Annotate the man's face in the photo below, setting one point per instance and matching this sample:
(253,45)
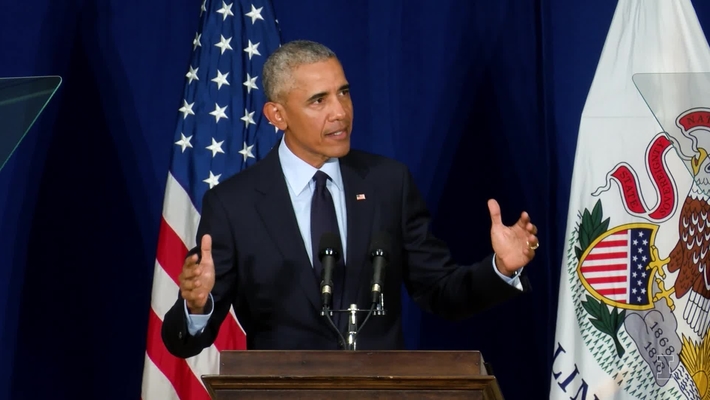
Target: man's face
(317,112)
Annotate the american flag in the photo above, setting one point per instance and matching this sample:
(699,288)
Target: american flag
(616,267)
(220,131)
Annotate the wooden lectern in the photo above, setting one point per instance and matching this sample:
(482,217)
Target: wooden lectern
(257,375)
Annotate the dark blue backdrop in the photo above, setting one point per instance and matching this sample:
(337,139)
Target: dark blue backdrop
(480,98)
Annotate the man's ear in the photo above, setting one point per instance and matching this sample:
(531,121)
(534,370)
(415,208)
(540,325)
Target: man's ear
(275,114)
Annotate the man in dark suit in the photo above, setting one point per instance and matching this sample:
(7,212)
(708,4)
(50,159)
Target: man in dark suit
(260,230)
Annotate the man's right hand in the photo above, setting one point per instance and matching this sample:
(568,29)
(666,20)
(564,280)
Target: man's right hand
(197,280)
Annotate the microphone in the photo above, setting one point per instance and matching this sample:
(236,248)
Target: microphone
(329,250)
(380,249)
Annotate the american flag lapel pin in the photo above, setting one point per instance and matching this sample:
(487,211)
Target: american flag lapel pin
(360,196)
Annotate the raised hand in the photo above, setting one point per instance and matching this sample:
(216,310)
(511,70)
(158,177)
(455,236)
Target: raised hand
(514,245)
(197,279)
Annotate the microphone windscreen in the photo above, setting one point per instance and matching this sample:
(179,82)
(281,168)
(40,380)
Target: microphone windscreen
(381,241)
(331,241)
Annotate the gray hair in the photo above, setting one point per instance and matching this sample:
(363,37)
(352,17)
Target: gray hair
(281,63)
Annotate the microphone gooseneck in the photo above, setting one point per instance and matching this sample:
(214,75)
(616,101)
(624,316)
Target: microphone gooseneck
(380,251)
(329,251)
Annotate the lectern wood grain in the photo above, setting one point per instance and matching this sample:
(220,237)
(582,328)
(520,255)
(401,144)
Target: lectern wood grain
(352,375)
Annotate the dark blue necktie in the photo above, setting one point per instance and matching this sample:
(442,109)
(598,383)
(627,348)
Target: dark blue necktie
(324,220)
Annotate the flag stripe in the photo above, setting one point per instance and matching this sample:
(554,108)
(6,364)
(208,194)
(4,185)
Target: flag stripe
(161,388)
(163,283)
(600,286)
(207,362)
(179,212)
(601,249)
(612,243)
(604,268)
(599,263)
(176,370)
(171,251)
(606,279)
(601,274)
(611,291)
(606,256)
(230,335)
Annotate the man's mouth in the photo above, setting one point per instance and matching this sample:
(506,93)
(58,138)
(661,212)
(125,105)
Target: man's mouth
(336,133)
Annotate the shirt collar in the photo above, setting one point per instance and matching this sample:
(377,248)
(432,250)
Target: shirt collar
(299,173)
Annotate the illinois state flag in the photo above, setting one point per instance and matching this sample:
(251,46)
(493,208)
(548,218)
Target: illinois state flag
(220,131)
(634,299)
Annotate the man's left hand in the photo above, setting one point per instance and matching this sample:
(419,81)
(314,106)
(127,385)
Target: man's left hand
(515,245)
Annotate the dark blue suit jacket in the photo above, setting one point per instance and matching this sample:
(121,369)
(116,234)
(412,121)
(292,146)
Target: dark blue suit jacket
(263,270)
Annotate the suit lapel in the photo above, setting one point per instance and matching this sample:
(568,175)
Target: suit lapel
(276,210)
(360,203)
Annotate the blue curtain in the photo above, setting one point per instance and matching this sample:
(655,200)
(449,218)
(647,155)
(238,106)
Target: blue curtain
(480,98)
